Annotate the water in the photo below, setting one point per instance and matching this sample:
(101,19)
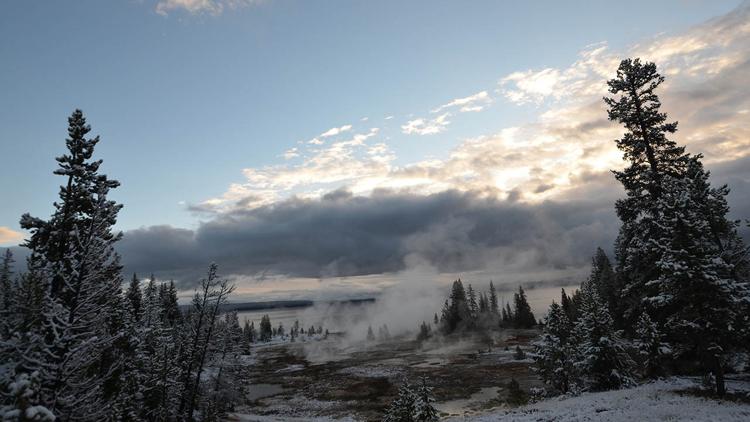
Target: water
(331,316)
(337,317)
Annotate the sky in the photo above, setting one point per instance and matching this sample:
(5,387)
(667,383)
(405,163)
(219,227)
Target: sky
(336,148)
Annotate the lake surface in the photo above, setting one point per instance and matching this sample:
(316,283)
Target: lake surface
(339,316)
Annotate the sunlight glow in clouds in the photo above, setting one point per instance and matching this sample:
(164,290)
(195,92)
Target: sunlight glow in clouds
(557,155)
(8,236)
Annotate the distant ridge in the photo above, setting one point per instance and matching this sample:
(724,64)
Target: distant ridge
(274,304)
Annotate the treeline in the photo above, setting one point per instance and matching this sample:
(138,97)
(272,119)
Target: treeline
(677,299)
(466,311)
(75,347)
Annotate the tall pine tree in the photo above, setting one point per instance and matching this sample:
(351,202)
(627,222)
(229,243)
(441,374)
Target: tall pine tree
(677,253)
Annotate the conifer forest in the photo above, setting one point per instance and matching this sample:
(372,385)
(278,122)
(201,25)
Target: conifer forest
(549,248)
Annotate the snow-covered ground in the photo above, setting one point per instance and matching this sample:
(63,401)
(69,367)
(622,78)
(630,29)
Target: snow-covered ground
(656,401)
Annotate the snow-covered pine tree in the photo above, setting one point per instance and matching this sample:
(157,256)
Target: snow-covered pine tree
(424,410)
(677,254)
(73,257)
(226,387)
(553,355)
(7,291)
(603,278)
(566,302)
(403,406)
(19,398)
(652,157)
(159,349)
(134,298)
(600,357)
(370,334)
(170,307)
(6,280)
(652,349)
(206,304)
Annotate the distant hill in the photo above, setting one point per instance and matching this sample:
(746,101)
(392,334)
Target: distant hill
(275,304)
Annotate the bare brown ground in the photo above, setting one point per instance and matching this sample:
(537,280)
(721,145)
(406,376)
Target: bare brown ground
(360,382)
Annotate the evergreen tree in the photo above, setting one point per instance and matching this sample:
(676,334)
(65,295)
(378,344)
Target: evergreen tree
(6,294)
(473,305)
(424,410)
(483,304)
(651,347)
(600,356)
(134,298)
(170,308)
(424,332)
(73,257)
(676,250)
(603,278)
(568,305)
(403,406)
(206,304)
(456,312)
(553,355)
(509,313)
(265,328)
(493,300)
(370,334)
(522,316)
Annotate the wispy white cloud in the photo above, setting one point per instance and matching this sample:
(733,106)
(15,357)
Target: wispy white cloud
(472,103)
(423,126)
(291,153)
(198,7)
(335,131)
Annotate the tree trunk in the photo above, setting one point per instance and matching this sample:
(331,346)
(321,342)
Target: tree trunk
(719,372)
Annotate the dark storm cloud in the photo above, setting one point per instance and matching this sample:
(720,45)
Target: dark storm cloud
(344,235)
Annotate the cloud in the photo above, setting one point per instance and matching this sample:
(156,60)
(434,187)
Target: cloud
(426,126)
(291,153)
(336,131)
(472,103)
(555,156)
(342,235)
(494,203)
(583,78)
(9,236)
(199,7)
